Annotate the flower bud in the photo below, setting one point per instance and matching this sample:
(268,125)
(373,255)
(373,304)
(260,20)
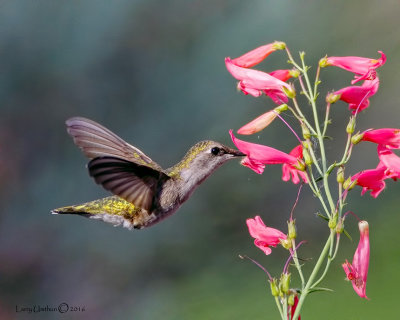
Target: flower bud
(306,132)
(290,92)
(259,123)
(284,283)
(307,158)
(364,228)
(279,45)
(351,125)
(340,226)
(274,287)
(340,175)
(349,184)
(292,234)
(294,73)
(286,243)
(333,221)
(281,108)
(323,62)
(357,138)
(332,98)
(290,300)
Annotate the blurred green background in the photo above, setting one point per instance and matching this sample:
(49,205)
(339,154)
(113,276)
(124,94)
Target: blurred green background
(153,72)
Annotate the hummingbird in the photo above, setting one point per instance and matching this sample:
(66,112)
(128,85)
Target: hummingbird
(143,192)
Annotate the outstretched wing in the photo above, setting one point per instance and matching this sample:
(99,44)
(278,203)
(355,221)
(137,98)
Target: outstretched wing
(132,182)
(97,141)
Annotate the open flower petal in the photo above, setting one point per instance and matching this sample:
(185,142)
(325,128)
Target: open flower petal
(290,172)
(256,82)
(372,179)
(389,137)
(264,236)
(364,67)
(259,155)
(390,160)
(358,96)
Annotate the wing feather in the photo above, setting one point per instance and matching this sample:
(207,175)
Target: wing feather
(134,183)
(97,141)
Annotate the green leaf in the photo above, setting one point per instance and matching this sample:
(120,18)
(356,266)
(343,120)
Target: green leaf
(347,235)
(316,289)
(322,216)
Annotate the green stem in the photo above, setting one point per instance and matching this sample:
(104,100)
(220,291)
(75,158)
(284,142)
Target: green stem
(331,257)
(314,188)
(313,157)
(340,191)
(291,59)
(328,109)
(284,307)
(303,118)
(314,273)
(317,82)
(296,262)
(279,308)
(320,138)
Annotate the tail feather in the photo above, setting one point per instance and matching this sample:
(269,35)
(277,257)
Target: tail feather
(114,210)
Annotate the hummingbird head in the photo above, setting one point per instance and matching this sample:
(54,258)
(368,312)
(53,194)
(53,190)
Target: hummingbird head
(200,162)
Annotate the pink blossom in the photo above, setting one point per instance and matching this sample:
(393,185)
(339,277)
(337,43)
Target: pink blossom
(264,236)
(388,137)
(372,179)
(390,160)
(258,123)
(289,171)
(283,74)
(257,55)
(358,96)
(255,82)
(364,67)
(357,272)
(259,155)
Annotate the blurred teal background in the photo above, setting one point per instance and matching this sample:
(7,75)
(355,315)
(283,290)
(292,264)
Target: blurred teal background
(153,72)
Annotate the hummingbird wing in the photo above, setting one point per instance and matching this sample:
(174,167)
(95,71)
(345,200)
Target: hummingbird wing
(97,141)
(131,181)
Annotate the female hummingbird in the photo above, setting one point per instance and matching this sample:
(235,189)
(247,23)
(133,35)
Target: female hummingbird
(144,193)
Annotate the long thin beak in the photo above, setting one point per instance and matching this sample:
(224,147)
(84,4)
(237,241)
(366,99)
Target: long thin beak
(235,153)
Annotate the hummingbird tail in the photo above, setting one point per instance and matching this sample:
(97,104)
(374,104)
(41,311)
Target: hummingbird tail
(112,209)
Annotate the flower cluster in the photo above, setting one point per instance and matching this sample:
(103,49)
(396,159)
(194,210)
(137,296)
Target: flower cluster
(306,161)
(389,165)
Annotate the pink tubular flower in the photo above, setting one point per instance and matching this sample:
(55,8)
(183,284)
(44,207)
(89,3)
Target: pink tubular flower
(256,82)
(257,55)
(357,272)
(388,137)
(390,160)
(372,179)
(364,67)
(258,155)
(358,96)
(282,74)
(258,123)
(264,236)
(289,171)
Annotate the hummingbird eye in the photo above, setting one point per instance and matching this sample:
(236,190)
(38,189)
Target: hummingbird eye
(215,151)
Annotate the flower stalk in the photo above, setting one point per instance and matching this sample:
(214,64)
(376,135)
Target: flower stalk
(308,161)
